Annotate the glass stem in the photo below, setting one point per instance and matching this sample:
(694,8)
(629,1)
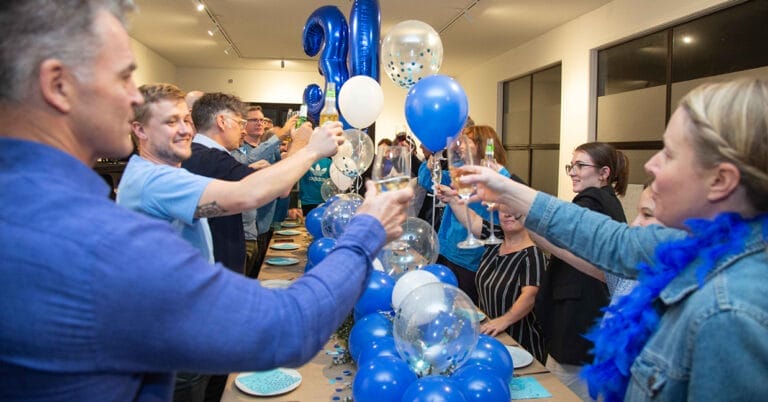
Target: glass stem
(469,224)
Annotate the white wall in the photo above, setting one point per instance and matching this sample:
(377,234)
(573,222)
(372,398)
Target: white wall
(573,44)
(151,67)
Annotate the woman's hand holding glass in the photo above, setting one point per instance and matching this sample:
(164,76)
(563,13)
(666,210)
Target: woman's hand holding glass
(507,195)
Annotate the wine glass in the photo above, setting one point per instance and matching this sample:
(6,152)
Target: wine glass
(437,176)
(392,171)
(392,168)
(461,151)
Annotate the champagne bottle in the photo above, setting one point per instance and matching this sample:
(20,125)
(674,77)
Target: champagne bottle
(302,115)
(489,151)
(329,112)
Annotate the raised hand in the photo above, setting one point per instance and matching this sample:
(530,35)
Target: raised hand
(325,140)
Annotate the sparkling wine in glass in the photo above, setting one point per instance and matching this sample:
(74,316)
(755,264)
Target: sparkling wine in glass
(490,162)
(461,152)
(392,171)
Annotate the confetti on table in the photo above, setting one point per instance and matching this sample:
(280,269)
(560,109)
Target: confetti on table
(527,388)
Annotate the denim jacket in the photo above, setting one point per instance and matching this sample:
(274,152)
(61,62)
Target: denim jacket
(712,341)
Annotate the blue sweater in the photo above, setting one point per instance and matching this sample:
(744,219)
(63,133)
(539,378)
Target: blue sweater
(102,303)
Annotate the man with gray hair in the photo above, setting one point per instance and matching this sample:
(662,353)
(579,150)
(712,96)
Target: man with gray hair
(103,303)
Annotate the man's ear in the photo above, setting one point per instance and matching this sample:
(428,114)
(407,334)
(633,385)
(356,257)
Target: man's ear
(56,85)
(138,130)
(724,180)
(221,122)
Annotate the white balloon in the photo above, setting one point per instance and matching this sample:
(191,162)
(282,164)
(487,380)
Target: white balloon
(361,101)
(408,282)
(342,181)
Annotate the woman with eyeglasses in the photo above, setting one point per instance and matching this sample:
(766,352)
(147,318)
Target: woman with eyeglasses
(694,327)
(569,300)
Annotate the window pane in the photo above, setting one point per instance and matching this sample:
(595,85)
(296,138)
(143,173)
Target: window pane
(632,116)
(545,120)
(680,89)
(637,64)
(730,40)
(517,111)
(544,170)
(518,162)
(637,159)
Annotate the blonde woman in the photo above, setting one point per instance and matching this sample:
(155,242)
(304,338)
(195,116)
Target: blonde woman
(695,326)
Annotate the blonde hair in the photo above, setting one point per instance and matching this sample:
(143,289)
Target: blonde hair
(730,124)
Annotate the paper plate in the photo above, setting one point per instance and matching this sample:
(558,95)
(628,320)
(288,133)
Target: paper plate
(284,246)
(276,283)
(268,383)
(520,356)
(288,232)
(282,261)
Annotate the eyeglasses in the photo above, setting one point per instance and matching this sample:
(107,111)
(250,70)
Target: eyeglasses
(576,166)
(241,122)
(263,121)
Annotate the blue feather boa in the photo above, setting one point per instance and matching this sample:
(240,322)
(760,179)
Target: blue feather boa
(632,320)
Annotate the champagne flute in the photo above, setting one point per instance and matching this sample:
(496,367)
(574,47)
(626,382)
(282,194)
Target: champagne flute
(437,176)
(461,151)
(392,171)
(392,168)
(490,162)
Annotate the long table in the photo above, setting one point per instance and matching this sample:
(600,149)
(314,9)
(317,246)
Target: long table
(325,380)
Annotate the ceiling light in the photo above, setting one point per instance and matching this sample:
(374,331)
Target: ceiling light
(200,7)
(212,31)
(687,39)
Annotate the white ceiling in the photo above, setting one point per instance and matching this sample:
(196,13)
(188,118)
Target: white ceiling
(266,31)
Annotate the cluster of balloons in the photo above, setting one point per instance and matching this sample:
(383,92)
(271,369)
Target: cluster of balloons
(327,222)
(431,350)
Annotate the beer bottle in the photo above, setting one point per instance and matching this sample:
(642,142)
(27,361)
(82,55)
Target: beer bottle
(329,112)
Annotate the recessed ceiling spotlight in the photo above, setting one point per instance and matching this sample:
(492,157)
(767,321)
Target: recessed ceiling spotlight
(200,7)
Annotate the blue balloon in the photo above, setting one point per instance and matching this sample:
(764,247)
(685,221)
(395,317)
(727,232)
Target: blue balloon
(364,32)
(380,347)
(433,389)
(326,28)
(314,222)
(479,383)
(443,273)
(436,108)
(313,97)
(383,379)
(319,249)
(493,354)
(377,295)
(367,330)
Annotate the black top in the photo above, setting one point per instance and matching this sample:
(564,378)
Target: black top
(226,231)
(568,303)
(500,280)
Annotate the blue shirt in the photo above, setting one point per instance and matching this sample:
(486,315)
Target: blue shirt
(711,342)
(259,220)
(451,231)
(168,193)
(312,181)
(103,303)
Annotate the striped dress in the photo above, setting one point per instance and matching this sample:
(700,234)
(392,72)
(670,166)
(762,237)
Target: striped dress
(499,281)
